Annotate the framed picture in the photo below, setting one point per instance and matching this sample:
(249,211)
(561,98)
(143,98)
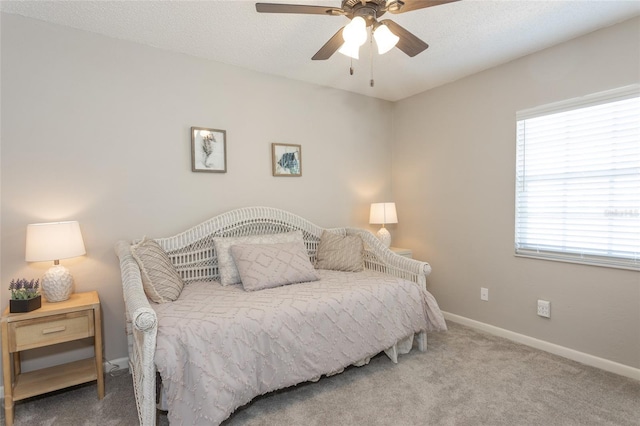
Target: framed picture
(208,150)
(287,159)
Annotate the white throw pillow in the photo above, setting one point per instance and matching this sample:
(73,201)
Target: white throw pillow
(273,265)
(340,253)
(227,268)
(160,280)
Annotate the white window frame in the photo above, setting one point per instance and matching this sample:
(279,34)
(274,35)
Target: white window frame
(529,233)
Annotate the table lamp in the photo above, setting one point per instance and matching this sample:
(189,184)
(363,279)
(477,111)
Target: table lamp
(54,241)
(383,213)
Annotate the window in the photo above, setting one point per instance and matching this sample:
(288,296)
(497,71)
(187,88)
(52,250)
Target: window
(578,180)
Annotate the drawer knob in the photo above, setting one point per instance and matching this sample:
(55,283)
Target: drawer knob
(54,330)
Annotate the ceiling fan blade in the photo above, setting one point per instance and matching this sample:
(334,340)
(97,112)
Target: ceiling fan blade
(408,43)
(330,47)
(297,8)
(409,5)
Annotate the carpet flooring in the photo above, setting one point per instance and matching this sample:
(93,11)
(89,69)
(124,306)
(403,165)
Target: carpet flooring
(466,377)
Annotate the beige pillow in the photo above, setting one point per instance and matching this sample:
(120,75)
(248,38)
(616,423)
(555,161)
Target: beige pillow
(227,268)
(340,253)
(160,279)
(273,265)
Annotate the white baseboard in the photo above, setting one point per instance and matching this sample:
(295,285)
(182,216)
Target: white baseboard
(116,364)
(109,365)
(584,358)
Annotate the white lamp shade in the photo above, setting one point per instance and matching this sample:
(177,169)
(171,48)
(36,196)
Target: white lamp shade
(53,241)
(351,50)
(356,31)
(385,39)
(354,35)
(382,213)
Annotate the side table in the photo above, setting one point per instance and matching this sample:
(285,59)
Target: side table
(77,318)
(402,252)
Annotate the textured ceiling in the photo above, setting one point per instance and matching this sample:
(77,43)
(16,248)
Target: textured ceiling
(464,37)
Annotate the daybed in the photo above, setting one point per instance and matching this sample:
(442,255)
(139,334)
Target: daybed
(217,346)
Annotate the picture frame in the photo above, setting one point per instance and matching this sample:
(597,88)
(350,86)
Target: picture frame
(208,150)
(286,160)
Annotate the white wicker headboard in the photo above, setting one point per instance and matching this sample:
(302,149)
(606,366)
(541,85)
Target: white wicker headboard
(193,253)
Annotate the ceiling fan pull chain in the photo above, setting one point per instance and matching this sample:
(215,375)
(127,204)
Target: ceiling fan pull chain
(351,67)
(371,56)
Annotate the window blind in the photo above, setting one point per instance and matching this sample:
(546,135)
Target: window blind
(578,180)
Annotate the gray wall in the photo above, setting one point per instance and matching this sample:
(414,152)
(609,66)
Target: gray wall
(453,176)
(97,130)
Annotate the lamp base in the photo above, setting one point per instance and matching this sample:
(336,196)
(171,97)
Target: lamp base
(384,236)
(57,284)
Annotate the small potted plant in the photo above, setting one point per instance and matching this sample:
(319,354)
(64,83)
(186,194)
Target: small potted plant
(24,295)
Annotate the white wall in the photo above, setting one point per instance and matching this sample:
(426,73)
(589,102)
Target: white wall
(97,130)
(453,177)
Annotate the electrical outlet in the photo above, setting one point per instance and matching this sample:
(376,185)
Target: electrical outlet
(484,294)
(544,308)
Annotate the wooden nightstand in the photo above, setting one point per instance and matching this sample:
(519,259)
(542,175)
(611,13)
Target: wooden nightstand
(402,252)
(74,319)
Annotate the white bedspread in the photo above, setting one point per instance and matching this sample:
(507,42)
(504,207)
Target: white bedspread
(219,347)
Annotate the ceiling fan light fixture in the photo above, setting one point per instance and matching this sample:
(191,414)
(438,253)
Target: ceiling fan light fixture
(355,32)
(363,14)
(385,39)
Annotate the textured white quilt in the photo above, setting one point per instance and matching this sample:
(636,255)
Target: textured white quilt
(219,347)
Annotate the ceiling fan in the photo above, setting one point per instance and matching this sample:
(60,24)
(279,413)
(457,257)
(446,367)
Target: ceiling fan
(363,14)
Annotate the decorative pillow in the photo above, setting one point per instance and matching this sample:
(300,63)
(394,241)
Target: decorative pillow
(226,267)
(272,265)
(160,279)
(340,253)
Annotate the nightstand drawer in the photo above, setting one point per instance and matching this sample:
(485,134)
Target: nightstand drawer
(50,330)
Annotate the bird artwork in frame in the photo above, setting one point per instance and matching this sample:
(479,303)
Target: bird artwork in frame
(208,150)
(287,159)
